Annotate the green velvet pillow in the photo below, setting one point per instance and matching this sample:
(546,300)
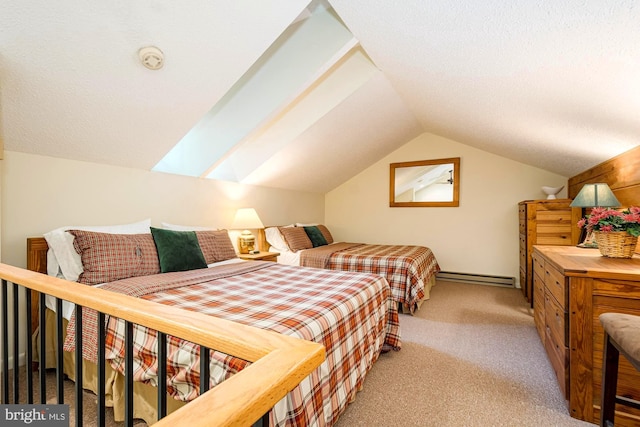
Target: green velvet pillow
(178,250)
(315,235)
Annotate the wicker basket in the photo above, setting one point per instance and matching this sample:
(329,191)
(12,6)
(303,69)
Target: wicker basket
(616,244)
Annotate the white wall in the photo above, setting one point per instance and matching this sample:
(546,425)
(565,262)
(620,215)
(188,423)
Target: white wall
(480,236)
(42,193)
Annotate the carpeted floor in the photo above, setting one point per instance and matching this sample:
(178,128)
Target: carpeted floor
(470,356)
(90,400)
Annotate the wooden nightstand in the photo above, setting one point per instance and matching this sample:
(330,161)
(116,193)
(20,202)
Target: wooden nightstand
(262,256)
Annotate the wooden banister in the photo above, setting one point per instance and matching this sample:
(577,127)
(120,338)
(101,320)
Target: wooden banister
(279,362)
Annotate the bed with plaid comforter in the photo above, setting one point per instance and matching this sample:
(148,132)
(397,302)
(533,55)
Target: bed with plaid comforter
(408,269)
(351,314)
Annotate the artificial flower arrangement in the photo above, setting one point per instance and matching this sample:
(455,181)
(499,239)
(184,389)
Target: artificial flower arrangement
(608,220)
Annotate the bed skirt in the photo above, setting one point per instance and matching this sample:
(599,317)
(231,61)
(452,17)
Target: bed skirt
(405,309)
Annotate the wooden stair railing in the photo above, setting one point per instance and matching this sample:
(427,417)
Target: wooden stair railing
(279,362)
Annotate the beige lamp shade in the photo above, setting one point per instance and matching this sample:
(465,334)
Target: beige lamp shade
(245,219)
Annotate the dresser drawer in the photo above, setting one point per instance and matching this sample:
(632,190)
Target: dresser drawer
(555,283)
(523,254)
(556,321)
(554,226)
(558,358)
(539,306)
(538,266)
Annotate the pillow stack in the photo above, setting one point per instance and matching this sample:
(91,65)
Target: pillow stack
(182,250)
(315,235)
(106,257)
(298,237)
(62,258)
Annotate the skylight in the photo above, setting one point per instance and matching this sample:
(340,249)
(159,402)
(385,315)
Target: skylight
(312,66)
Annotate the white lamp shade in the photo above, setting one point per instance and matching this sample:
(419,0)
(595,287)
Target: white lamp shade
(246,218)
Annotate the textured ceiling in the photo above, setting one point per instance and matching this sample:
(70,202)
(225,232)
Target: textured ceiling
(551,84)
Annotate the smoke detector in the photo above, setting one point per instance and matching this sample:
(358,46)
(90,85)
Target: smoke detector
(151,57)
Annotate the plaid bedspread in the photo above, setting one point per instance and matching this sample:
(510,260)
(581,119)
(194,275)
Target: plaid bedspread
(319,257)
(406,268)
(351,314)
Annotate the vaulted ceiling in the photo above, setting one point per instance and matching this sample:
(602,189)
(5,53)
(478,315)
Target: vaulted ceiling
(305,95)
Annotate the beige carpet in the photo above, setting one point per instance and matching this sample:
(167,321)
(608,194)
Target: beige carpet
(90,400)
(470,356)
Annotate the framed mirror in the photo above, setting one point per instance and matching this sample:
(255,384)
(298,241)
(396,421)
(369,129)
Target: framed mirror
(425,183)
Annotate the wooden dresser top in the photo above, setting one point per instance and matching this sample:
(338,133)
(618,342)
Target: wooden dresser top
(588,262)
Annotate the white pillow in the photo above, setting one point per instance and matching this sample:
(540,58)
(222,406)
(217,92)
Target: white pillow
(177,227)
(62,257)
(275,239)
(299,224)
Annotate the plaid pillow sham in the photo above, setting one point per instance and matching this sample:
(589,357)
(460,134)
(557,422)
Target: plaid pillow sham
(216,245)
(296,238)
(108,257)
(326,233)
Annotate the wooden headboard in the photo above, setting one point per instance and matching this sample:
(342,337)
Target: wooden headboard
(621,173)
(36,261)
(37,254)
(261,240)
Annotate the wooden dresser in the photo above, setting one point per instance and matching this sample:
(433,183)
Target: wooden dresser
(572,287)
(544,222)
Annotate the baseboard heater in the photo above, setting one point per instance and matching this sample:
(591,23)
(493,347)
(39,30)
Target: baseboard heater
(480,279)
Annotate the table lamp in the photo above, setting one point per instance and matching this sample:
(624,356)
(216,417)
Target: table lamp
(245,219)
(597,195)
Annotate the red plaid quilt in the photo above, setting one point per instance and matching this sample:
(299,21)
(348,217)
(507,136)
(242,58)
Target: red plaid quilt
(406,268)
(351,314)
